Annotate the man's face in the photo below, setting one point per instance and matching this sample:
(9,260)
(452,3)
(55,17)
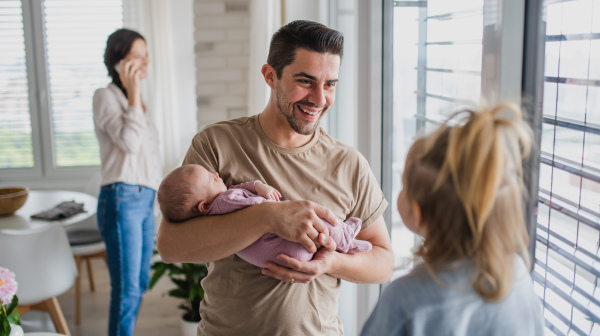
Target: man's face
(306,89)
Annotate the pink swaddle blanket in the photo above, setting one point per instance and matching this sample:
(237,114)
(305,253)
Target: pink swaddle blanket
(267,247)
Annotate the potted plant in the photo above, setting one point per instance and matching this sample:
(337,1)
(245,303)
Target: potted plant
(186,278)
(10,321)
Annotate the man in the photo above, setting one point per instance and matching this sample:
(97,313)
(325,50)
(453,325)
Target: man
(319,175)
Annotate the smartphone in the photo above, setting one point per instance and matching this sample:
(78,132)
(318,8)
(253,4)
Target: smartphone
(118,66)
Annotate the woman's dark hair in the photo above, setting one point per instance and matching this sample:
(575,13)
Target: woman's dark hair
(308,35)
(118,46)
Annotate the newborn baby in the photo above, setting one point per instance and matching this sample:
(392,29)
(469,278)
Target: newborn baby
(191,190)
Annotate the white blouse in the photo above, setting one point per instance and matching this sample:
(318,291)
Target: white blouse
(128,140)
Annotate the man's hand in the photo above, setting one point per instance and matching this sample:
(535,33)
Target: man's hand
(267,191)
(300,221)
(304,271)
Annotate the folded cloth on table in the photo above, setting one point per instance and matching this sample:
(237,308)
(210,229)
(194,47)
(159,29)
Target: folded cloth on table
(62,210)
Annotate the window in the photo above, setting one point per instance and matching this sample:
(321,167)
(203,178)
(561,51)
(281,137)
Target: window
(439,66)
(437,70)
(567,266)
(48,76)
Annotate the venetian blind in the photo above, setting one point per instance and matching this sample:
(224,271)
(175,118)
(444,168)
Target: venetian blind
(567,263)
(16,149)
(76,34)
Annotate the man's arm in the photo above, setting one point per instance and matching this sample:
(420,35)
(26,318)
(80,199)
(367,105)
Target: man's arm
(375,266)
(209,238)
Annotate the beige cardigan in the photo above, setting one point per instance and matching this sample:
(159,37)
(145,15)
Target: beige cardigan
(128,140)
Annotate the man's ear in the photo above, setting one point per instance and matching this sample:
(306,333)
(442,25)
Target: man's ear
(203,206)
(269,74)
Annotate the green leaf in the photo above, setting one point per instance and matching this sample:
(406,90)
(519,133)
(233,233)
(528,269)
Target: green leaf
(15,318)
(12,305)
(5,328)
(178,293)
(193,293)
(181,283)
(158,273)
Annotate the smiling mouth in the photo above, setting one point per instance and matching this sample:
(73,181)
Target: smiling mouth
(309,112)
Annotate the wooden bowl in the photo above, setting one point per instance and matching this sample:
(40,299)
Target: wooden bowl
(12,199)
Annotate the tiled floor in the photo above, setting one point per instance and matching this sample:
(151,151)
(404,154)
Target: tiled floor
(159,314)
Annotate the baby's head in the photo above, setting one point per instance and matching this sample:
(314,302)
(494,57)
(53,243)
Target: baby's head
(188,191)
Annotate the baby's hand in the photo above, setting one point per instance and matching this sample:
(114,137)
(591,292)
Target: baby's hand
(267,191)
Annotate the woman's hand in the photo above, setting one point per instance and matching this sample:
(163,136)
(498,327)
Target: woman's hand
(130,78)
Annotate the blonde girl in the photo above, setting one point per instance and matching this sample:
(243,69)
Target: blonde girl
(463,193)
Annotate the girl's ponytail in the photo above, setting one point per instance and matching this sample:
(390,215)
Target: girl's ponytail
(477,169)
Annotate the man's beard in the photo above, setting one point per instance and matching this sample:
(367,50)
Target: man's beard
(287,111)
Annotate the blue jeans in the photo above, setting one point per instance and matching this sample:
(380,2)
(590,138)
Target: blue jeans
(126,221)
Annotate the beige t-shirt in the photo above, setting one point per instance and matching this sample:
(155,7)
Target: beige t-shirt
(239,299)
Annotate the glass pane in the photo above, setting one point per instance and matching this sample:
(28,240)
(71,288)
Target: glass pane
(545,177)
(447,74)
(571,102)
(595,59)
(552,52)
(454,57)
(568,144)
(591,153)
(563,226)
(596,17)
(459,28)
(593,105)
(569,309)
(76,33)
(404,125)
(566,185)
(590,196)
(16,150)
(574,59)
(577,18)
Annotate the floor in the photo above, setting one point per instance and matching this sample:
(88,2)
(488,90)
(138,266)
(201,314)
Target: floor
(158,315)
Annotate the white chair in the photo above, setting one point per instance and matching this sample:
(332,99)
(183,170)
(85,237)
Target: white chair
(86,244)
(44,268)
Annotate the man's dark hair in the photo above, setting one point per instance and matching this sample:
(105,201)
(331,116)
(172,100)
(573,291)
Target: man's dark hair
(118,46)
(303,34)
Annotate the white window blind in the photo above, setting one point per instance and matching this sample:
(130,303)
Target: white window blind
(567,263)
(16,149)
(76,34)
(437,51)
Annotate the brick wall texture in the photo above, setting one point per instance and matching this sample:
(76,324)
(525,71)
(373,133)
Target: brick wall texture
(222,35)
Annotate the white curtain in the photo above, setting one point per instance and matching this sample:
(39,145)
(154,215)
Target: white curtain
(155,21)
(265,19)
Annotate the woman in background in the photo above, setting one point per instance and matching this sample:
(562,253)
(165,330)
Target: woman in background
(130,176)
(462,193)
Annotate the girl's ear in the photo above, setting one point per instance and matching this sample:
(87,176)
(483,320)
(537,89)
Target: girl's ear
(418,217)
(203,206)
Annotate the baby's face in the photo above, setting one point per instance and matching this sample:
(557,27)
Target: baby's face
(210,183)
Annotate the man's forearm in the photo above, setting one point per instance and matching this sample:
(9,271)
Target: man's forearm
(375,266)
(209,238)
